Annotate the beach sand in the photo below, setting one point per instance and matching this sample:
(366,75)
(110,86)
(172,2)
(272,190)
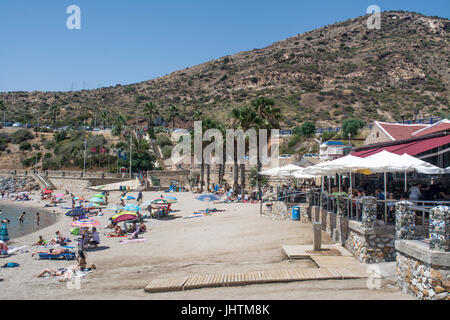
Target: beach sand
(236,240)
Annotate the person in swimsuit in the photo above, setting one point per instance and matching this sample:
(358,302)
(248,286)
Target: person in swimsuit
(22,216)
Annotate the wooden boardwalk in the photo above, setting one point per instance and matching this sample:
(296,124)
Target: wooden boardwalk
(353,271)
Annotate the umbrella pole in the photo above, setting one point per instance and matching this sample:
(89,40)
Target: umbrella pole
(406,185)
(351,184)
(339,177)
(385,197)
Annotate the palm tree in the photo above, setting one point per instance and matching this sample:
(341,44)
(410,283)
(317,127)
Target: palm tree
(55,111)
(150,110)
(244,118)
(173,114)
(268,117)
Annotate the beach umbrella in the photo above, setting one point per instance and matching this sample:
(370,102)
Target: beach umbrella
(46,191)
(76,212)
(208,198)
(132,207)
(128,198)
(123,213)
(4,233)
(93,205)
(59,196)
(96,200)
(146,204)
(114,208)
(85,223)
(160,201)
(125,217)
(99,195)
(171,199)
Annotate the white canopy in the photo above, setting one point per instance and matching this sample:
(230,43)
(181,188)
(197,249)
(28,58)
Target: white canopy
(422,166)
(301,174)
(342,165)
(281,171)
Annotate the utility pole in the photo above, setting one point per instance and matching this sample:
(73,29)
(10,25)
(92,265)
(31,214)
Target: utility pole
(85,147)
(131,148)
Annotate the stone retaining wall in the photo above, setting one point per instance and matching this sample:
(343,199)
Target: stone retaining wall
(422,280)
(371,245)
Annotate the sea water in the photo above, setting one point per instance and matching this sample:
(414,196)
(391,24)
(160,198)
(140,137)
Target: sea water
(29,225)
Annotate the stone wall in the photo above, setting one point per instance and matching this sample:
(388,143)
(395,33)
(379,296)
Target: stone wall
(424,281)
(371,245)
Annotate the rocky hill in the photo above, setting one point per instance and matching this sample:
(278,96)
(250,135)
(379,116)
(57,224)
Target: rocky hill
(338,71)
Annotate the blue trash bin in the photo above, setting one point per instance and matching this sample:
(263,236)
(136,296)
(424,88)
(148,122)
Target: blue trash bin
(296,213)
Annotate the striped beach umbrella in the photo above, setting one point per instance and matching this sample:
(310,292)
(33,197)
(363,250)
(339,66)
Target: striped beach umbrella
(4,233)
(85,223)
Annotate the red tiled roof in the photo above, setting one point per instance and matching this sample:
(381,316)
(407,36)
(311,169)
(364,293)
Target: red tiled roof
(437,127)
(401,131)
(412,148)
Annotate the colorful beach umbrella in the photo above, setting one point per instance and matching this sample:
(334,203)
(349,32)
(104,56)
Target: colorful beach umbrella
(46,191)
(114,208)
(93,205)
(4,233)
(125,217)
(132,207)
(160,201)
(127,198)
(85,223)
(123,213)
(96,200)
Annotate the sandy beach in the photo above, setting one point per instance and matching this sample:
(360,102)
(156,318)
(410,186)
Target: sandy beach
(238,239)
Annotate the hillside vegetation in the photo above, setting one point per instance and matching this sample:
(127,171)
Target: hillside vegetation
(326,75)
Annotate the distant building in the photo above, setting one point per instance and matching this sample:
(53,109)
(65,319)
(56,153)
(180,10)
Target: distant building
(331,150)
(386,132)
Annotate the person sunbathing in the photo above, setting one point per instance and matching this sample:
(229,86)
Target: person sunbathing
(40,242)
(54,273)
(53,252)
(117,232)
(59,239)
(143,227)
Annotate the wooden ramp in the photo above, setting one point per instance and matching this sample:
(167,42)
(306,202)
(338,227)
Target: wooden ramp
(254,277)
(304,251)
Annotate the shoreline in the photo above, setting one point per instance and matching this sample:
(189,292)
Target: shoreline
(34,206)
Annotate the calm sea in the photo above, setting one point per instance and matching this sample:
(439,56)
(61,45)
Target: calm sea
(29,225)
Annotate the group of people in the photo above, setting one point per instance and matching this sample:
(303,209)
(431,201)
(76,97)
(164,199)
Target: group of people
(135,229)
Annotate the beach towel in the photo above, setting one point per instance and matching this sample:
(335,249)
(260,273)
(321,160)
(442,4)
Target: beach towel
(194,216)
(11,265)
(4,233)
(132,241)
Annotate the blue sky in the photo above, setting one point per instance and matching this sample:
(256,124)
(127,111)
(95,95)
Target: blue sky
(136,40)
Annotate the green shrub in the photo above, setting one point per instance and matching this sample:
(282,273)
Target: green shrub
(23,146)
(163,140)
(166,151)
(21,135)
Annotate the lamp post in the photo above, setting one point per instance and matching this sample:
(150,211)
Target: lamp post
(349,135)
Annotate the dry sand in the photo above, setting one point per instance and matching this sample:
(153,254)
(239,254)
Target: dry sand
(235,240)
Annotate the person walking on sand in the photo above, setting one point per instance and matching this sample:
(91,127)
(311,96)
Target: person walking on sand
(22,216)
(38,219)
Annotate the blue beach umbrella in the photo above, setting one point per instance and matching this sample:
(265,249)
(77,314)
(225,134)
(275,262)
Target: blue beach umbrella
(96,200)
(132,207)
(76,212)
(127,198)
(208,198)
